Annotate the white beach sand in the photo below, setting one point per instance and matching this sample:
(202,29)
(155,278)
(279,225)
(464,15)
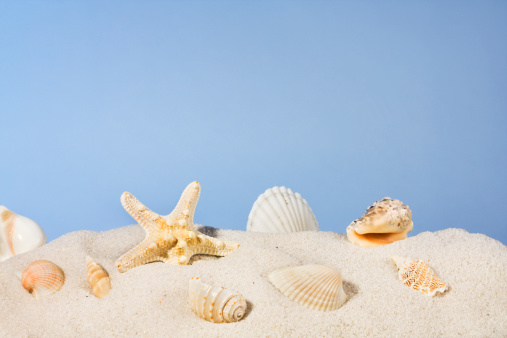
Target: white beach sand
(152,300)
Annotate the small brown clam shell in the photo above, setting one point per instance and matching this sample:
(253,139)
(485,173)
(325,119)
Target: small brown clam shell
(98,278)
(42,278)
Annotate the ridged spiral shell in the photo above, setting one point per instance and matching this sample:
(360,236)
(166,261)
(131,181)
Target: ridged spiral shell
(314,286)
(419,276)
(98,278)
(384,222)
(280,210)
(18,234)
(42,278)
(216,304)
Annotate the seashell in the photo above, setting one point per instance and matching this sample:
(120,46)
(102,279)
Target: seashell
(216,304)
(280,210)
(384,222)
(98,278)
(314,286)
(18,234)
(419,276)
(42,278)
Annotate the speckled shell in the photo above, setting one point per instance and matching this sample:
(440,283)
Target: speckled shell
(42,278)
(419,276)
(98,278)
(18,234)
(216,304)
(280,210)
(314,286)
(384,222)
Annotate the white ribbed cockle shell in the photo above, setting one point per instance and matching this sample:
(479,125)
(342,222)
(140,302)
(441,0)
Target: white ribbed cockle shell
(280,210)
(314,286)
(419,276)
(42,278)
(216,304)
(98,278)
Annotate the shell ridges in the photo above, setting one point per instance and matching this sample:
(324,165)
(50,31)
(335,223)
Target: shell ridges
(314,286)
(98,278)
(280,210)
(419,276)
(215,304)
(42,278)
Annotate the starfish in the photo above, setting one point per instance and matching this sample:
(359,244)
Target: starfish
(173,238)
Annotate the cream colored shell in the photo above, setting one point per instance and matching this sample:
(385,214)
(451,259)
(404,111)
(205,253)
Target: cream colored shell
(384,222)
(216,304)
(419,276)
(280,210)
(18,234)
(42,278)
(98,278)
(314,286)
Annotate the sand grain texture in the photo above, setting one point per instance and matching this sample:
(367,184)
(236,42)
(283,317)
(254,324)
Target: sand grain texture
(152,300)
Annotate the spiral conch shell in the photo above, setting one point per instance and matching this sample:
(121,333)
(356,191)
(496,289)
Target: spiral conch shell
(280,210)
(314,286)
(98,278)
(216,304)
(419,276)
(42,278)
(384,222)
(18,234)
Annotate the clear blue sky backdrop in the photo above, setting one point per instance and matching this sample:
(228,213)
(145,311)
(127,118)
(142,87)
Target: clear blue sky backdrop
(344,102)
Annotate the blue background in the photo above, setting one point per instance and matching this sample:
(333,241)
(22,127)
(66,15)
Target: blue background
(343,102)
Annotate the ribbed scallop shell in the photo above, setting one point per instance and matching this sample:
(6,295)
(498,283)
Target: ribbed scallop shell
(314,286)
(419,276)
(216,304)
(42,278)
(18,234)
(384,222)
(98,278)
(280,210)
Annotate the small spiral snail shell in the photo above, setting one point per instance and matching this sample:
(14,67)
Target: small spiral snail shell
(42,278)
(216,304)
(419,276)
(98,278)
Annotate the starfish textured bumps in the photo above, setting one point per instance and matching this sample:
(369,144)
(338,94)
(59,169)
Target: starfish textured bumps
(172,238)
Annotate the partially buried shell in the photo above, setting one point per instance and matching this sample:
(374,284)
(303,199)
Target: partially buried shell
(98,278)
(419,276)
(42,278)
(314,286)
(18,234)
(280,210)
(384,222)
(216,304)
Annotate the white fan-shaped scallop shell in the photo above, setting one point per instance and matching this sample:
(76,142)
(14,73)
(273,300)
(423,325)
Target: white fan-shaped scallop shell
(216,304)
(18,234)
(314,286)
(280,210)
(98,278)
(42,278)
(419,276)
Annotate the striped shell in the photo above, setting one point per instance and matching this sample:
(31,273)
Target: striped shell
(18,234)
(314,286)
(280,210)
(384,222)
(419,276)
(42,278)
(216,304)
(98,278)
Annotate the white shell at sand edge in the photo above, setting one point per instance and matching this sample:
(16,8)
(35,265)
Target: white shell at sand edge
(314,286)
(279,210)
(18,234)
